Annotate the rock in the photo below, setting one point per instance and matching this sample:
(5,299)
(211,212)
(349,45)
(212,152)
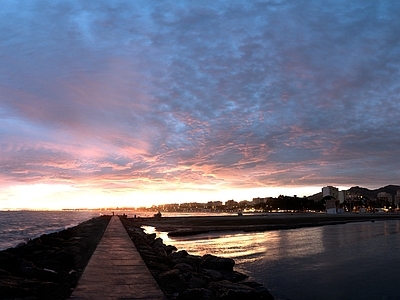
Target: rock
(213,274)
(151,237)
(158,266)
(9,262)
(259,288)
(158,247)
(209,261)
(158,242)
(145,251)
(27,267)
(196,294)
(169,249)
(178,255)
(234,276)
(46,275)
(172,281)
(194,259)
(20,245)
(197,282)
(187,260)
(226,290)
(183,267)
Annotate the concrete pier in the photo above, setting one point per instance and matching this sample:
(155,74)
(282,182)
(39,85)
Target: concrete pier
(116,270)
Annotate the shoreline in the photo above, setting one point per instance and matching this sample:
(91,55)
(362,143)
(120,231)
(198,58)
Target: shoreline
(185,226)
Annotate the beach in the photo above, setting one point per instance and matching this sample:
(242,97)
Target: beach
(179,226)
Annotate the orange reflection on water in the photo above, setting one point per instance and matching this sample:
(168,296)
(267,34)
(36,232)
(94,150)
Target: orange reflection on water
(249,247)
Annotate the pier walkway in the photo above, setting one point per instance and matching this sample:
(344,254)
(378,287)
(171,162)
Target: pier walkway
(116,270)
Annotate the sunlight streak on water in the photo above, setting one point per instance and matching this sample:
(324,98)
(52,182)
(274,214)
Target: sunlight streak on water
(244,247)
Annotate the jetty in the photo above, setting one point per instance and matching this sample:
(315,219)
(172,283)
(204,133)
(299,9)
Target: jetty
(116,270)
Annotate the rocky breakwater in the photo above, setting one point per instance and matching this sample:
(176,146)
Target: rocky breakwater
(184,276)
(49,267)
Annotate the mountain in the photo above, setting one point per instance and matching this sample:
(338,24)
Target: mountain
(391,189)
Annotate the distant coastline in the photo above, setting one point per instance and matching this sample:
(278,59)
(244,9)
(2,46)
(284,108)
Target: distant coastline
(180,226)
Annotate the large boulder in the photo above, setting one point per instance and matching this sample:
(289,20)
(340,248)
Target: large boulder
(198,282)
(169,249)
(226,290)
(212,262)
(178,255)
(184,267)
(172,281)
(196,294)
(259,288)
(234,276)
(213,274)
(151,237)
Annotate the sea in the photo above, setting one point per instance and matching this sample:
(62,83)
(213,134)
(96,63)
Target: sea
(17,227)
(348,261)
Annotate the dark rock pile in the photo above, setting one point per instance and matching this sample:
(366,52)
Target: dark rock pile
(49,267)
(184,276)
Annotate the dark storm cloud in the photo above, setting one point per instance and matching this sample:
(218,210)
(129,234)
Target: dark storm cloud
(235,92)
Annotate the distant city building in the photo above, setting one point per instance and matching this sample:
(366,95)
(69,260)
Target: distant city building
(259,200)
(169,207)
(353,197)
(192,205)
(331,206)
(384,199)
(330,191)
(342,196)
(245,203)
(231,204)
(397,199)
(214,204)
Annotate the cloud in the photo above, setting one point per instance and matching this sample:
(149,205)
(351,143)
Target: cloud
(231,93)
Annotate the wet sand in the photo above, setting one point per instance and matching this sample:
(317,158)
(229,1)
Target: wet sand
(179,226)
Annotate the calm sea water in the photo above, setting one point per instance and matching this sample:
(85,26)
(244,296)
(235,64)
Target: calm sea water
(349,261)
(18,226)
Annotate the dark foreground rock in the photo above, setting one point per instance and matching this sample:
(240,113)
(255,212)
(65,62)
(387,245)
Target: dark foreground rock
(49,267)
(184,276)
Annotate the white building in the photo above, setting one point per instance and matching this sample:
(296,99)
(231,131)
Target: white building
(397,199)
(330,191)
(342,196)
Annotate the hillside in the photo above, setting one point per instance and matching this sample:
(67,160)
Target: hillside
(391,189)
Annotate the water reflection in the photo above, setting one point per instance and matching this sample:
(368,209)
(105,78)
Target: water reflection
(245,247)
(349,261)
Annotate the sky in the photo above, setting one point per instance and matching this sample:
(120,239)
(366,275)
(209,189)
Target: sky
(135,103)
